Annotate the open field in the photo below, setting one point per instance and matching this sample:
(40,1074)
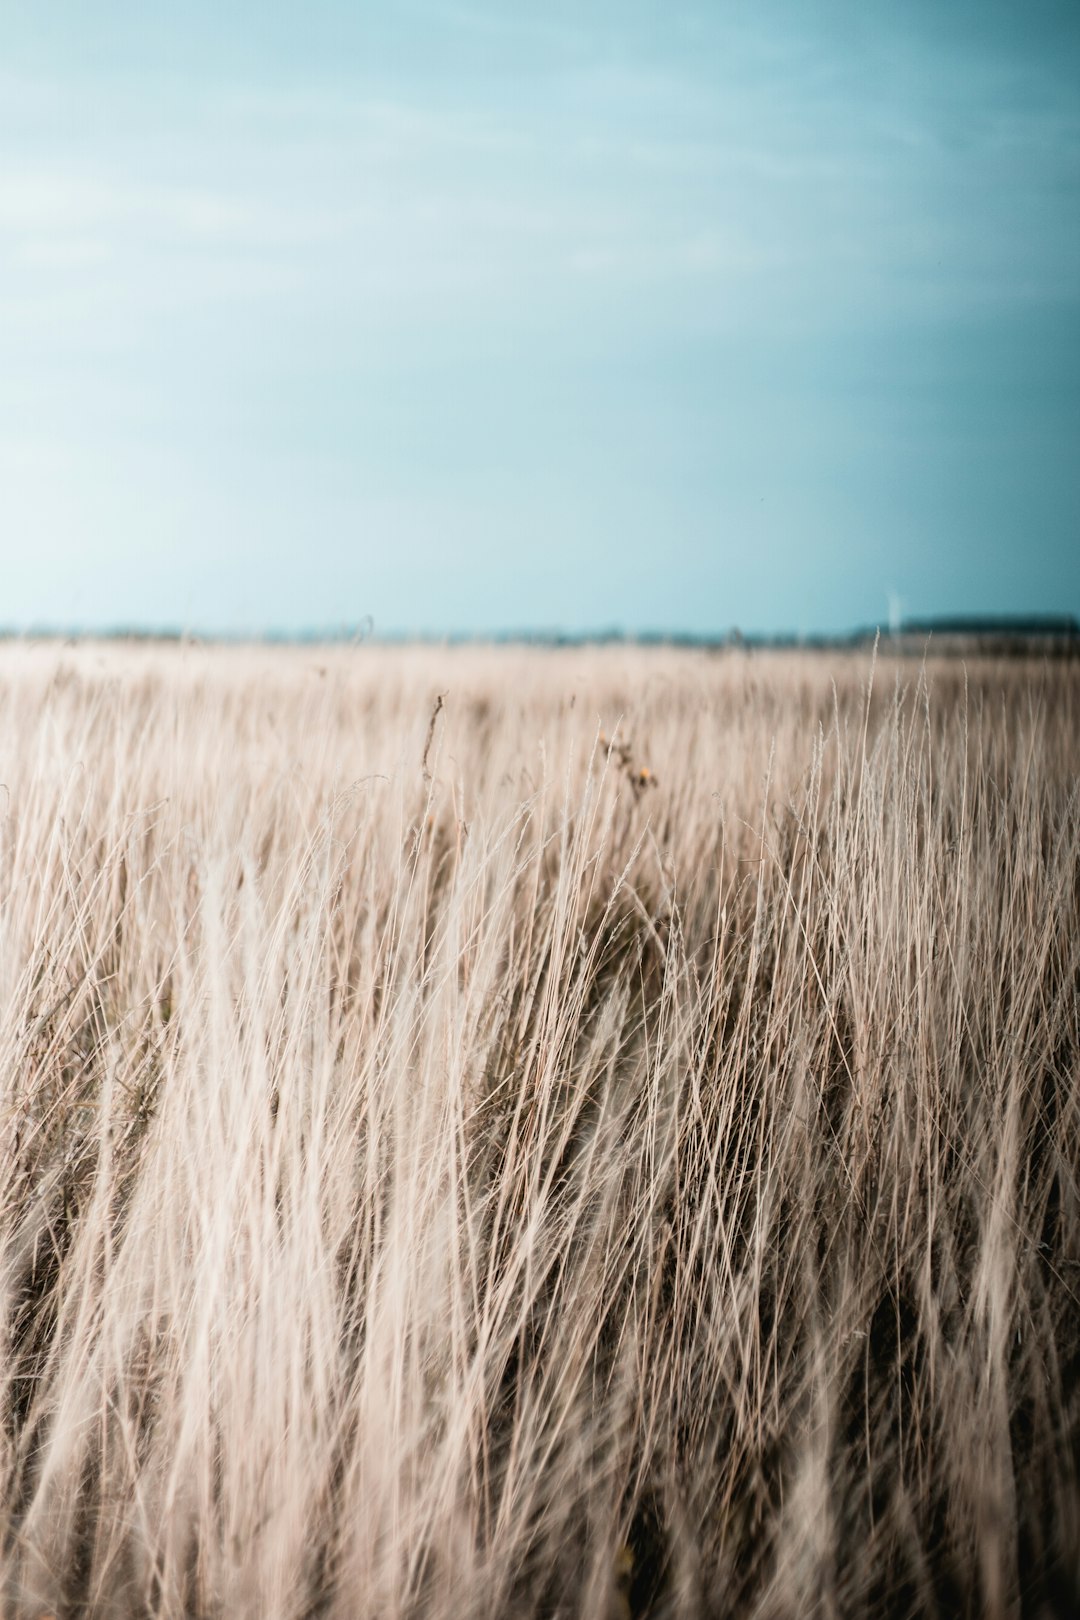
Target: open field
(459,1164)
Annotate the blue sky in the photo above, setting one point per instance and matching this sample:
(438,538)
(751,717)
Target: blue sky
(473,317)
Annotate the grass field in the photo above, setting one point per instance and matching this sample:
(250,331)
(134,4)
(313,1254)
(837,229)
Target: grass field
(607,1144)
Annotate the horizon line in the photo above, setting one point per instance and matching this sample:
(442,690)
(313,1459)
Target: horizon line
(1008,628)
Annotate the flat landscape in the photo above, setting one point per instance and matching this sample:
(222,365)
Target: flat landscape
(503,1132)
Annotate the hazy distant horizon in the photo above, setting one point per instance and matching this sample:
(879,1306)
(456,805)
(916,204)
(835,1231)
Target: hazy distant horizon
(1054,628)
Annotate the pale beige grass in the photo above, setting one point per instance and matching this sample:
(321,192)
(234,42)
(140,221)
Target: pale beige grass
(449,1173)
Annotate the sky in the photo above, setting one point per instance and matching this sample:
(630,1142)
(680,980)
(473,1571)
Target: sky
(669,315)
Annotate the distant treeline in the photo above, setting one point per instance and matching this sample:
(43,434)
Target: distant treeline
(1005,635)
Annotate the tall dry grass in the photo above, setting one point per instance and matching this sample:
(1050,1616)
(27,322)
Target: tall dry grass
(446,1174)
